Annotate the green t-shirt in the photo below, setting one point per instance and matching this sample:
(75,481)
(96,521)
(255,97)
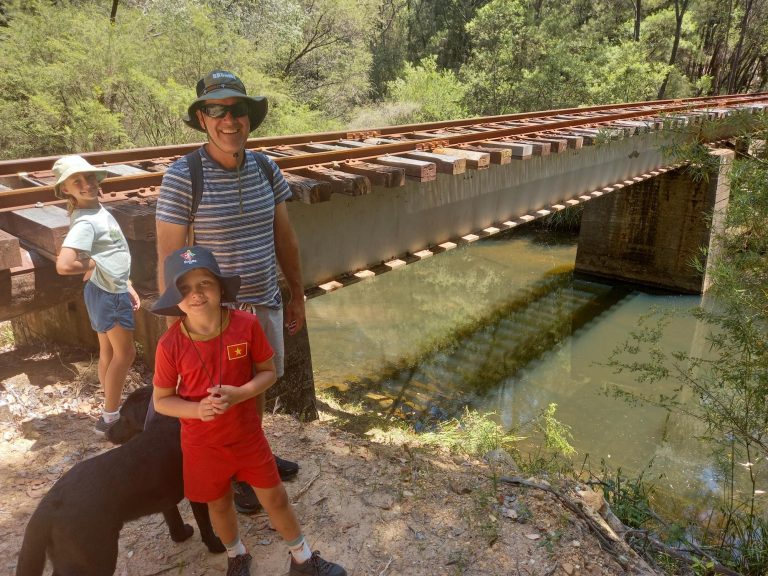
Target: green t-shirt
(96,232)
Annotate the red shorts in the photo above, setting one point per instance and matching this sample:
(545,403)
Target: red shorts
(208,470)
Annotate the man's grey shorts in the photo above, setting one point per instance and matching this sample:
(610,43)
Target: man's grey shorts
(271,321)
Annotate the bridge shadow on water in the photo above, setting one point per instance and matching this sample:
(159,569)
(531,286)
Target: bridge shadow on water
(479,357)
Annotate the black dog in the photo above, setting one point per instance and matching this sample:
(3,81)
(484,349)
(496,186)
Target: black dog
(78,522)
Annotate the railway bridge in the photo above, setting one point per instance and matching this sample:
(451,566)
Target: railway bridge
(368,202)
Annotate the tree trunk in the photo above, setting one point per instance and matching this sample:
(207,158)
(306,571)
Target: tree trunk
(113,14)
(680,7)
(638,16)
(736,57)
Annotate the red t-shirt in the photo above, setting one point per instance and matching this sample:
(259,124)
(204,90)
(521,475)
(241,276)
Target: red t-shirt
(181,360)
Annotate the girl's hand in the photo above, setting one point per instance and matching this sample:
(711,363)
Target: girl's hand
(134,297)
(205,410)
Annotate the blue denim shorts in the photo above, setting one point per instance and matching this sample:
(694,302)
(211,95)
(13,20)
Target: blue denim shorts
(106,309)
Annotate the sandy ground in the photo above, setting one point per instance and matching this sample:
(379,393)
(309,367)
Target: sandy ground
(375,507)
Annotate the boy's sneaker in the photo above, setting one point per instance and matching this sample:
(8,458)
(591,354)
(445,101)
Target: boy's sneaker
(245,498)
(101,426)
(286,468)
(239,565)
(316,566)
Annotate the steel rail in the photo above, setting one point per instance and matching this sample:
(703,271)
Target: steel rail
(12,167)
(118,188)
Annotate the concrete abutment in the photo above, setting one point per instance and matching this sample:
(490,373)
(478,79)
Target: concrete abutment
(651,233)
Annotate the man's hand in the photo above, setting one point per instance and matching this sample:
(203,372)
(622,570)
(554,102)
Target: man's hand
(295,314)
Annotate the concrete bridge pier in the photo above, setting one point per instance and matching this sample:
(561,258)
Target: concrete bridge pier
(650,233)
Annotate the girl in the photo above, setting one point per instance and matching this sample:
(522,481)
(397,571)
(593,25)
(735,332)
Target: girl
(95,247)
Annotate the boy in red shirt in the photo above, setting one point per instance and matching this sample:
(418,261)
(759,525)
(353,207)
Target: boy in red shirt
(210,366)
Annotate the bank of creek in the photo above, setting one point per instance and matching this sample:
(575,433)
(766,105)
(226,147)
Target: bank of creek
(499,326)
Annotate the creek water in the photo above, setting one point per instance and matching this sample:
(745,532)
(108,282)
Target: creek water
(502,326)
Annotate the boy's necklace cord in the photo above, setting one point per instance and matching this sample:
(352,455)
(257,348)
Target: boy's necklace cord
(200,356)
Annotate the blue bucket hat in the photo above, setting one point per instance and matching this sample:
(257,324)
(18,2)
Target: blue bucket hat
(220,84)
(179,263)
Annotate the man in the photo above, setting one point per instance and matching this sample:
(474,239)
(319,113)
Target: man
(242,218)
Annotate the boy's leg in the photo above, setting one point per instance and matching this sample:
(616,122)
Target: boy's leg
(223,518)
(123,355)
(283,519)
(224,522)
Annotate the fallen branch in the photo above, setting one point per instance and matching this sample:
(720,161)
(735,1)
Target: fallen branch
(609,540)
(385,568)
(304,488)
(681,555)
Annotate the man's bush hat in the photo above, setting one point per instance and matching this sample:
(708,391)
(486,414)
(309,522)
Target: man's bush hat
(66,166)
(221,84)
(179,263)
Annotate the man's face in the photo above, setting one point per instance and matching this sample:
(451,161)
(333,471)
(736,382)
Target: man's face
(228,133)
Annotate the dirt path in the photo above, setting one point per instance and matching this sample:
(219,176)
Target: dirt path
(377,508)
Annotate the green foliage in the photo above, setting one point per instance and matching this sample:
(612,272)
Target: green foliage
(493,70)
(624,73)
(327,64)
(436,94)
(557,436)
(473,434)
(629,498)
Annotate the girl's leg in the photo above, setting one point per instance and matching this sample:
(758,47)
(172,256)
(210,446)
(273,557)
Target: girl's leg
(223,518)
(105,358)
(123,355)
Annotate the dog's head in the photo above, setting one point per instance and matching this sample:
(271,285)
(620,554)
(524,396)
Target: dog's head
(133,412)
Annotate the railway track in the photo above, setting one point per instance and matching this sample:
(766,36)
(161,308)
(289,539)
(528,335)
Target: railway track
(318,165)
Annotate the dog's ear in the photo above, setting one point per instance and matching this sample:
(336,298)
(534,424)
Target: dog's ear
(133,412)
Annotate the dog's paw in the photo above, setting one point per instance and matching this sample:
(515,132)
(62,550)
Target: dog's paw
(214,544)
(184,534)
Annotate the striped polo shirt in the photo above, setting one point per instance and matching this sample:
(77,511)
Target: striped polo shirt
(235,220)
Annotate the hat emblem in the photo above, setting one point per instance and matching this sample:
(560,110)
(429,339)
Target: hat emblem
(188,257)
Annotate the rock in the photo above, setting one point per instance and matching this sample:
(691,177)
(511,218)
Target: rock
(567,568)
(458,488)
(510,513)
(501,458)
(591,498)
(5,412)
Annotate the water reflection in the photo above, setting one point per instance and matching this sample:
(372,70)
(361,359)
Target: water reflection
(502,326)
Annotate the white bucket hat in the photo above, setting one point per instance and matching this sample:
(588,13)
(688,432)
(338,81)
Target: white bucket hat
(74,164)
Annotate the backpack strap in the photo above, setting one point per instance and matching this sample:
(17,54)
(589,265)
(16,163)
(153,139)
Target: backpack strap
(195,164)
(266,167)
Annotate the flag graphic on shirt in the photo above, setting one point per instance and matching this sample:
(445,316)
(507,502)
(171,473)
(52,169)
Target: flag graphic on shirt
(235,351)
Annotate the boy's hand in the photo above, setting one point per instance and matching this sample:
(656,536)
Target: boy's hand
(205,410)
(223,397)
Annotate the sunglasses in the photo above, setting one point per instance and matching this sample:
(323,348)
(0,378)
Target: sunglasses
(220,110)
